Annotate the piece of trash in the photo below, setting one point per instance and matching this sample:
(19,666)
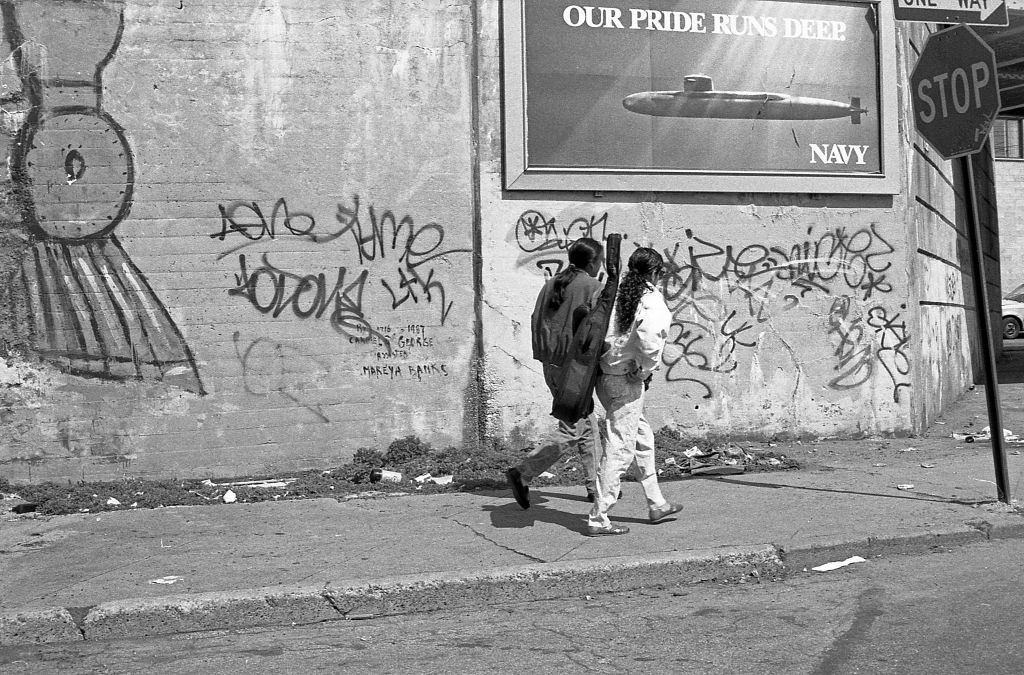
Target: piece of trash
(423,478)
(927,466)
(716,470)
(546,474)
(166,580)
(267,483)
(694,452)
(230,497)
(442,480)
(828,567)
(774,462)
(907,450)
(113,502)
(383,475)
(670,460)
(731,462)
(987,431)
(878,464)
(24,508)
(905,486)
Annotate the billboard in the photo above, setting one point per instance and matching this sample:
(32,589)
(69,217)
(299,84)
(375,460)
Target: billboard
(709,95)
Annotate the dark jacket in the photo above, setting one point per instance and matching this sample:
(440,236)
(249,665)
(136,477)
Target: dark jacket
(553,329)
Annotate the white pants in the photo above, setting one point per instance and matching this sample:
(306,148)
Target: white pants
(627,437)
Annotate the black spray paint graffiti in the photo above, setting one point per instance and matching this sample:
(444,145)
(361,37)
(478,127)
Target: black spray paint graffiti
(72,176)
(377,236)
(416,246)
(270,367)
(862,344)
(249,220)
(543,240)
(703,280)
(272,291)
(706,333)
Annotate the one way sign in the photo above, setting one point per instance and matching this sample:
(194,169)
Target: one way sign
(973,12)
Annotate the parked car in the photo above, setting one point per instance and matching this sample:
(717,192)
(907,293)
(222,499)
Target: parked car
(1013,314)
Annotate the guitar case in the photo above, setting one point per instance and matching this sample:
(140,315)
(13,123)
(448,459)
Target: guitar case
(574,397)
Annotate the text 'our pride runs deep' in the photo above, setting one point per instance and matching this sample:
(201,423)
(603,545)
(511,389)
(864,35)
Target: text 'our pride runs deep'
(577,16)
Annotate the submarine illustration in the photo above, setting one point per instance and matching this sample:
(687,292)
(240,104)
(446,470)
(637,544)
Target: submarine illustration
(699,99)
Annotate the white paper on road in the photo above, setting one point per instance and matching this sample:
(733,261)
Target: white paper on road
(828,567)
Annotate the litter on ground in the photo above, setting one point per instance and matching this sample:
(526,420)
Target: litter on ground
(828,567)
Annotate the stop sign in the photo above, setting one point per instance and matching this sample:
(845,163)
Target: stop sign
(955,92)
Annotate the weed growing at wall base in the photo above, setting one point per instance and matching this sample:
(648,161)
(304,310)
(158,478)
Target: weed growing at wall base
(472,470)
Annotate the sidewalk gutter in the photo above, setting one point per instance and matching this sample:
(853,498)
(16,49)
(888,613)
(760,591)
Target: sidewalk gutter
(350,600)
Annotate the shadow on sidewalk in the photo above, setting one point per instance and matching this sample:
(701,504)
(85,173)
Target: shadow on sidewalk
(912,496)
(511,516)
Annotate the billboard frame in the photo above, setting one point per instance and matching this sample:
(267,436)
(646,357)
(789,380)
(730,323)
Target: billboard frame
(520,175)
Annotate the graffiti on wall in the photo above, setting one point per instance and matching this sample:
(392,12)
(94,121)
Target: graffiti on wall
(543,240)
(864,343)
(92,309)
(847,264)
(271,367)
(393,254)
(720,294)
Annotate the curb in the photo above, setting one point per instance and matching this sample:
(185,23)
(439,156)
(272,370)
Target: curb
(351,600)
(354,600)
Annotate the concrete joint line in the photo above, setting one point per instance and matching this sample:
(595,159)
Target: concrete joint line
(496,544)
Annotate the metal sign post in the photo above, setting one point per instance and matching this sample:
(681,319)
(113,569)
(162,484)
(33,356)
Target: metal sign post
(988,352)
(955,98)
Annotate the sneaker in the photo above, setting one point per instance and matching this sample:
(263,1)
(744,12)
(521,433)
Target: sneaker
(662,512)
(519,490)
(592,531)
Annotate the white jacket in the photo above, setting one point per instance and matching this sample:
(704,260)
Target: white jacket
(638,350)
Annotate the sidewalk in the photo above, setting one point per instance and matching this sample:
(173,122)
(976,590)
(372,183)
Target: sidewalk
(91,576)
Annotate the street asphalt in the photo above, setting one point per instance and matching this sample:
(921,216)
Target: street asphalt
(180,569)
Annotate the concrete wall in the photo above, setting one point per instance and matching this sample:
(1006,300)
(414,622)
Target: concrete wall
(269,261)
(812,349)
(1010,195)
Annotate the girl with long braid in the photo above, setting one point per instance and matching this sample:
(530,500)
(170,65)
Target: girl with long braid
(636,337)
(560,304)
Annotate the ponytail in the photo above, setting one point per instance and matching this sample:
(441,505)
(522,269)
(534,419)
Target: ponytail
(582,254)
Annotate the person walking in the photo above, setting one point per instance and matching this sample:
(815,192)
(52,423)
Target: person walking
(636,338)
(560,304)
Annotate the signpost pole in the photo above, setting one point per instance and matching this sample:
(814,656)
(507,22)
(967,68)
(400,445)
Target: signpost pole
(995,418)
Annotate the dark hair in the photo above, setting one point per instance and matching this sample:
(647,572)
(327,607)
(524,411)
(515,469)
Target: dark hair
(582,253)
(641,264)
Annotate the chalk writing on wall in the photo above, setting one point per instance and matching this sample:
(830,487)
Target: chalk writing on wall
(72,168)
(390,250)
(401,352)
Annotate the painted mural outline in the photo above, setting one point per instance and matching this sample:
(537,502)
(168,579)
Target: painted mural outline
(93,311)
